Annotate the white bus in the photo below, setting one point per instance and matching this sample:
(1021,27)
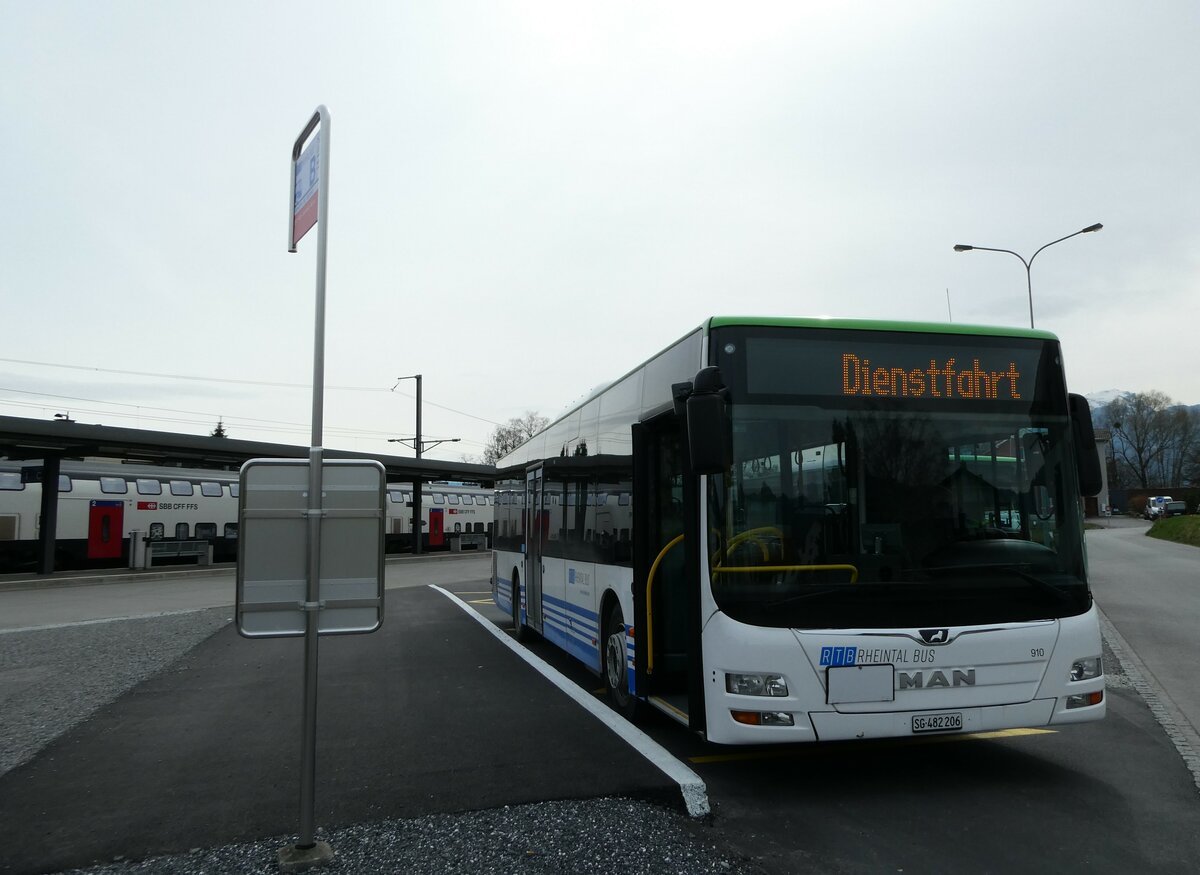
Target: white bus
(783,530)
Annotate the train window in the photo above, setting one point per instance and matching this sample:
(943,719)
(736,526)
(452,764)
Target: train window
(113,485)
(212,490)
(234,489)
(452,498)
(231,531)
(181,531)
(206,531)
(467,499)
(64,483)
(395,496)
(11,481)
(439,498)
(182,487)
(157,531)
(148,487)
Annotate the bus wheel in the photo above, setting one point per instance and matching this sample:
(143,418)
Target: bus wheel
(616,675)
(520,631)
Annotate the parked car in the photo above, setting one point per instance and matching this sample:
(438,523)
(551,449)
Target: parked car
(1174,508)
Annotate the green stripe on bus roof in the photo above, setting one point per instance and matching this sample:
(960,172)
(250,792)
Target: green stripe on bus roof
(880,325)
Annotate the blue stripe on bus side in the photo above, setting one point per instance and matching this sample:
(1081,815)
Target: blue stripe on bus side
(578,642)
(572,628)
(573,608)
(503,598)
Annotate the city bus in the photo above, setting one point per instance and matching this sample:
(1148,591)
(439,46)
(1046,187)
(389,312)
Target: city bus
(788,530)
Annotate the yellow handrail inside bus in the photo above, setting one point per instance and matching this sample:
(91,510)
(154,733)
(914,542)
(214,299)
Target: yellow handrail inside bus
(649,610)
(751,568)
(750,534)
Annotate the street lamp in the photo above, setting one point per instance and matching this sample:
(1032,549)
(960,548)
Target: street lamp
(962,247)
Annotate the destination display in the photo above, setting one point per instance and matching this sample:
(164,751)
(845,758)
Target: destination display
(931,373)
(942,378)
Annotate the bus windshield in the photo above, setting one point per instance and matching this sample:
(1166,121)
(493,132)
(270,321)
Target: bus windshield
(843,512)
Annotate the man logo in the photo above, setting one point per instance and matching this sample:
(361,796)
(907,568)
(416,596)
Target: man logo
(935,636)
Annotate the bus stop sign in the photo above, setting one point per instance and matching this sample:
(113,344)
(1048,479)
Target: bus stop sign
(273,548)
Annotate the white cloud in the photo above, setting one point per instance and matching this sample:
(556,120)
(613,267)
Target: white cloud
(599,178)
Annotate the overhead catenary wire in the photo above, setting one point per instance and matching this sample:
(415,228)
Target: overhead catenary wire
(229,380)
(141,413)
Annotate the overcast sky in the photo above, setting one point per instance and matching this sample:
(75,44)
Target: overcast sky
(528,199)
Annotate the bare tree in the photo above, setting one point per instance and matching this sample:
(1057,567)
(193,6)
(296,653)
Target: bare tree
(1153,439)
(506,438)
(1183,438)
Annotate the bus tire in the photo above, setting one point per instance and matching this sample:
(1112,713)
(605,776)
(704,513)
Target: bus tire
(520,630)
(616,666)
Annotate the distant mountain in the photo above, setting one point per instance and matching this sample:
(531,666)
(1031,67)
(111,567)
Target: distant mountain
(1097,401)
(1104,397)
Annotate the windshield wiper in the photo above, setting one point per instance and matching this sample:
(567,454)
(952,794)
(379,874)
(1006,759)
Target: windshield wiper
(803,596)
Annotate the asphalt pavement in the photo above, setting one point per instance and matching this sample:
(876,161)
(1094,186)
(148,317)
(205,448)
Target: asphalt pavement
(431,714)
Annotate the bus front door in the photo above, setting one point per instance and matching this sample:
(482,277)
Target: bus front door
(666,521)
(535,541)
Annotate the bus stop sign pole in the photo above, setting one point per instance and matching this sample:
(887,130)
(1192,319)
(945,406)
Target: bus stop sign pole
(310,204)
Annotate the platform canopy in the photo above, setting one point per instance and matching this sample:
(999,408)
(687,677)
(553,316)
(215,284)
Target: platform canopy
(23,439)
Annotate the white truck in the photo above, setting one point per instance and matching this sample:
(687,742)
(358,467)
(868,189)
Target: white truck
(1155,505)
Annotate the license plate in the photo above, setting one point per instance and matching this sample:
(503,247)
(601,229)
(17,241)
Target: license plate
(937,722)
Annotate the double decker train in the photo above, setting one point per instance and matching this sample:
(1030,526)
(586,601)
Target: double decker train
(103,505)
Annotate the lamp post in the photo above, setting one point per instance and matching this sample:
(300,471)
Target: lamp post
(962,247)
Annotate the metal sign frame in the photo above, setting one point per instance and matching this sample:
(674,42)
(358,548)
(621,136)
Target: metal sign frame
(272,573)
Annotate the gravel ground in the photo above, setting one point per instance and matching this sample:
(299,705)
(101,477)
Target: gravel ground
(595,836)
(54,679)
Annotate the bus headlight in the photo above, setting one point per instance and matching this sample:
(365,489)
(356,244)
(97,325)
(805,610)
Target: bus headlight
(1086,669)
(755,684)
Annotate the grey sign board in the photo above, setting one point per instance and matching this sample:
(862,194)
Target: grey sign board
(273,547)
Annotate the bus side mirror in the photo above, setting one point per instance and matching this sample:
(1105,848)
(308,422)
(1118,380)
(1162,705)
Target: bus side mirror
(709,431)
(1087,458)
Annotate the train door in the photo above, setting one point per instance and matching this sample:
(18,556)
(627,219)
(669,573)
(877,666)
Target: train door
(437,531)
(105,529)
(535,542)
